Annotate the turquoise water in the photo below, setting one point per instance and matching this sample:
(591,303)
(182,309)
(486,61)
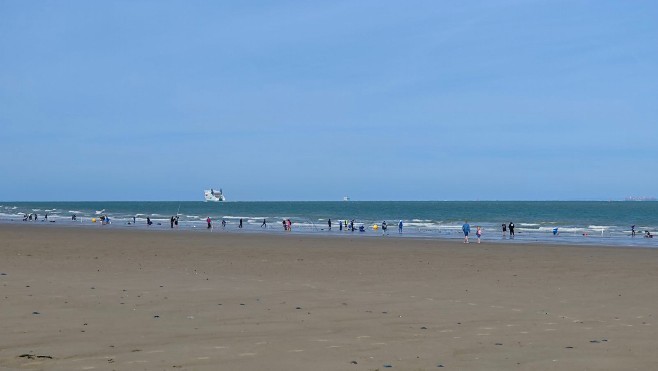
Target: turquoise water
(577,222)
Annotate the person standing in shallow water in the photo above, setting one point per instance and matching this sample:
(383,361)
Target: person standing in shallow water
(329,223)
(511,229)
(209,222)
(478,233)
(400,227)
(504,229)
(240,225)
(466,228)
(264,225)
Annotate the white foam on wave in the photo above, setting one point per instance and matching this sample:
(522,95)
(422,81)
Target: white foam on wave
(420,225)
(529,224)
(571,229)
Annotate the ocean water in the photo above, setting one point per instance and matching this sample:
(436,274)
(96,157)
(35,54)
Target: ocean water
(586,222)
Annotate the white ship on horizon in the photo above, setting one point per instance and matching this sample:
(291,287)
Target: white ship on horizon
(214,196)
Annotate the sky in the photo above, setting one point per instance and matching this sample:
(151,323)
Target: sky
(298,100)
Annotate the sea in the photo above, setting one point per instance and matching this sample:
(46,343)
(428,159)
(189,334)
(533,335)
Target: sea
(577,222)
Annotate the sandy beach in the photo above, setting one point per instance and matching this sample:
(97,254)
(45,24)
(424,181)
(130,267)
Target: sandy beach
(117,299)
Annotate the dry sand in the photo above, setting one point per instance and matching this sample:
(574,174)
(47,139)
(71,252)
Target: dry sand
(104,299)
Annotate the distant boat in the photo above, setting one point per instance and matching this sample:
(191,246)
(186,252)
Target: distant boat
(346,198)
(214,196)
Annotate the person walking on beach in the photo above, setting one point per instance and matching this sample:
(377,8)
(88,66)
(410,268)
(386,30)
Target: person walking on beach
(478,233)
(384,227)
(209,221)
(511,229)
(329,223)
(504,229)
(264,224)
(240,225)
(466,228)
(633,231)
(223,223)
(400,227)
(171,221)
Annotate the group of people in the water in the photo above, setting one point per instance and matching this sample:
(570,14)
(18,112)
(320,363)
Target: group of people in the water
(32,216)
(466,228)
(647,234)
(507,228)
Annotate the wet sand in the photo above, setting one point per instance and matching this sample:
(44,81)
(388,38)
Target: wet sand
(104,299)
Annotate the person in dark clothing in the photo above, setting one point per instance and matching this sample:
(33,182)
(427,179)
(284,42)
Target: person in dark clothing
(240,225)
(172,221)
(511,229)
(329,223)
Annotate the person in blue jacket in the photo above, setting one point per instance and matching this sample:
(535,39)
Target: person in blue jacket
(467,229)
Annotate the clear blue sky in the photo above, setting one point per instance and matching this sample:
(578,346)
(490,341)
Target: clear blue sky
(288,100)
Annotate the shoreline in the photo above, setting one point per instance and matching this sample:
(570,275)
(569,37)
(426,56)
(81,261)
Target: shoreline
(522,238)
